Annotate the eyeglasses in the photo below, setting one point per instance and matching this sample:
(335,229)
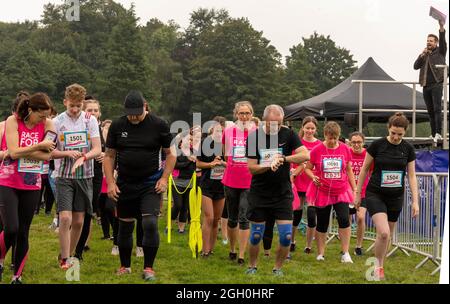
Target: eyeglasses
(244,113)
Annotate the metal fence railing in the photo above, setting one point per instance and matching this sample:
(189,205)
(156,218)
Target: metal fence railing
(422,235)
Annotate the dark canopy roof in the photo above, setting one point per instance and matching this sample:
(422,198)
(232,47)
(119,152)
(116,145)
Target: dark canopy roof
(344,98)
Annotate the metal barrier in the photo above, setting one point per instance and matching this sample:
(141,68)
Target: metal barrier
(422,235)
(413,109)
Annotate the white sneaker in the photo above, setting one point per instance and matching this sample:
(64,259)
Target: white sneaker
(139,252)
(320,258)
(115,250)
(225,242)
(437,137)
(346,258)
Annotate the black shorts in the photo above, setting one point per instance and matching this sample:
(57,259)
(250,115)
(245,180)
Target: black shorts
(262,208)
(377,203)
(363,204)
(137,199)
(301,194)
(215,196)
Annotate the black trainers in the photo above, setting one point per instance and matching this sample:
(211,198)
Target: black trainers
(358,251)
(232,256)
(307,250)
(292,249)
(240,262)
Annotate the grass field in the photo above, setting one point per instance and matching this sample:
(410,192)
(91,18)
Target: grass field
(175,265)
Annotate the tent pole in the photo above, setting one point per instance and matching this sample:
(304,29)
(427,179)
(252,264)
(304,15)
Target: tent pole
(414,113)
(360,106)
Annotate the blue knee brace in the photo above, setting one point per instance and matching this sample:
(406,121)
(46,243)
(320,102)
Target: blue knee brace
(256,233)
(285,233)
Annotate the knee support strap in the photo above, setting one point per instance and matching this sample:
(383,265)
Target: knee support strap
(256,233)
(285,233)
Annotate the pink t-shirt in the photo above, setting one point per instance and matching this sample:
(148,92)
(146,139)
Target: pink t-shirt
(302,181)
(357,162)
(331,167)
(9,174)
(236,173)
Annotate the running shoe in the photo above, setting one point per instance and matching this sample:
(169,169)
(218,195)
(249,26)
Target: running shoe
(292,249)
(16,280)
(65,264)
(358,251)
(225,241)
(251,271)
(379,274)
(148,274)
(232,256)
(115,250)
(346,258)
(123,270)
(320,258)
(288,257)
(277,272)
(307,250)
(139,252)
(241,262)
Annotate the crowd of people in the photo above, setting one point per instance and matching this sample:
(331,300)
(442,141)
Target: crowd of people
(253,175)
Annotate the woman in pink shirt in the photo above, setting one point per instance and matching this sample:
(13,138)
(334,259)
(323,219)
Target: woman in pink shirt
(332,186)
(20,178)
(237,179)
(302,181)
(358,154)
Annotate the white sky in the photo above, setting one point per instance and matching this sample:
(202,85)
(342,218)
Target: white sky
(393,32)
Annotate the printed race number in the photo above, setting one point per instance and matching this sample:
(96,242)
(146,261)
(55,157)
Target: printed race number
(73,140)
(30,165)
(391,179)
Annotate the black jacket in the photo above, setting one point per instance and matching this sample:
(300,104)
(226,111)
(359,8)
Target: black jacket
(437,56)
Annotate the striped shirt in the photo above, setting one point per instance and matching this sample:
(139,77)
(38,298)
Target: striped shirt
(85,122)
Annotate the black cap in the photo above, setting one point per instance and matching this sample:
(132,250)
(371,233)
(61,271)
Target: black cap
(134,103)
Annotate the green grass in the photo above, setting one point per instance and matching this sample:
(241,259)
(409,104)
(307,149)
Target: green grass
(175,265)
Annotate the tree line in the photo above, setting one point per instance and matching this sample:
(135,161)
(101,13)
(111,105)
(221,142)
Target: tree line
(217,60)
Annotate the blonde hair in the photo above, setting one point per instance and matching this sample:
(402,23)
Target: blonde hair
(239,104)
(332,128)
(75,92)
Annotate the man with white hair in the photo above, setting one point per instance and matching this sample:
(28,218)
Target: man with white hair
(269,150)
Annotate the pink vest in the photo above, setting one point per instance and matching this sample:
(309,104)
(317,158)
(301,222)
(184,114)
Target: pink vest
(236,173)
(9,176)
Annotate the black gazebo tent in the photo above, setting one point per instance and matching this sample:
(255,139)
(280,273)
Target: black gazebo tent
(344,98)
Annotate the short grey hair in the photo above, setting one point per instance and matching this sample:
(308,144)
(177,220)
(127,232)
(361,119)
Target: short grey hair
(273,108)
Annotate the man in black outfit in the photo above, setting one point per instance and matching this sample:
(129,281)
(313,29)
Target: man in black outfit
(431,78)
(134,142)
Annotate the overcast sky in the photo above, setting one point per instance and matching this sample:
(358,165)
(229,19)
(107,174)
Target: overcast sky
(393,32)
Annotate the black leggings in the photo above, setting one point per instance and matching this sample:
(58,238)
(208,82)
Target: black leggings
(17,210)
(180,205)
(323,217)
(108,216)
(268,233)
(97,187)
(49,198)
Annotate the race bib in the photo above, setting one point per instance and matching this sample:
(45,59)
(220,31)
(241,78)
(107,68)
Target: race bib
(45,168)
(30,165)
(217,172)
(74,140)
(239,154)
(267,156)
(391,179)
(332,168)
